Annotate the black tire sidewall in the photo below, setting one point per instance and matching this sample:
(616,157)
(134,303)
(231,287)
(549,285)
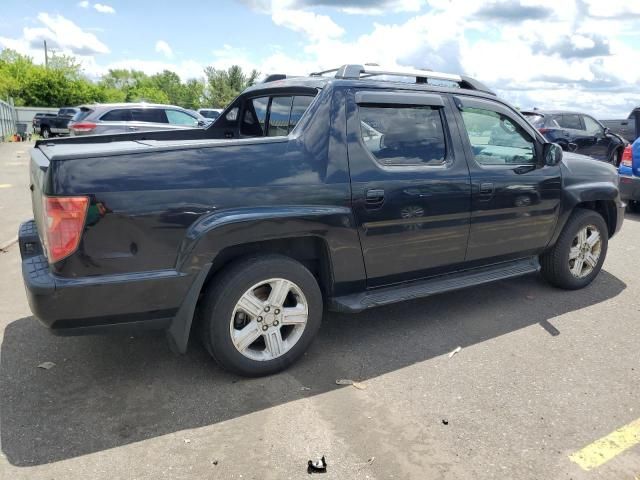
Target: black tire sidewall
(224,295)
(580,219)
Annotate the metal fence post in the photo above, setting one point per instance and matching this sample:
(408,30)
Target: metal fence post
(8,118)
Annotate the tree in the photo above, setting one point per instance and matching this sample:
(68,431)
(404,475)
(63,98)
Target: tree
(225,85)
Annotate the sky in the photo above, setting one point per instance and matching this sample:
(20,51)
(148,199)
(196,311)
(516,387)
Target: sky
(566,54)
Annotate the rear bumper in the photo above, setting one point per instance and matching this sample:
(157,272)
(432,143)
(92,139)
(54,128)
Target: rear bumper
(629,187)
(100,304)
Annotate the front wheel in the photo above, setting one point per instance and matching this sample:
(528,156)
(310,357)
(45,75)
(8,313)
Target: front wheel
(261,314)
(577,257)
(45,132)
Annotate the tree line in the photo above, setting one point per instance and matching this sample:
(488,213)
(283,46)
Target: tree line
(62,83)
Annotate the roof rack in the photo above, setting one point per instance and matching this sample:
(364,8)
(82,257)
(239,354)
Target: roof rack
(364,71)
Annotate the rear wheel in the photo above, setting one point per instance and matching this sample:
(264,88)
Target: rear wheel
(615,158)
(261,315)
(577,257)
(45,132)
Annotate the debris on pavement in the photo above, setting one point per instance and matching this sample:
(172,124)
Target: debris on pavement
(215,462)
(346,381)
(305,389)
(319,466)
(187,440)
(457,350)
(445,421)
(371,460)
(47,365)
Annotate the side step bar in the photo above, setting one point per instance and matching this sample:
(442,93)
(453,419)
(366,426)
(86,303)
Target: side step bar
(358,302)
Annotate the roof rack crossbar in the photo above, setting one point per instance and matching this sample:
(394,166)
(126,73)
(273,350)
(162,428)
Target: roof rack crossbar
(353,71)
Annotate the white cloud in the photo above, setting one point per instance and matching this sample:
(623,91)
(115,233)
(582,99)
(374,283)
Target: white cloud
(61,35)
(313,25)
(102,8)
(164,48)
(84,4)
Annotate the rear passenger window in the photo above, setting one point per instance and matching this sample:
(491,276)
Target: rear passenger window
(497,139)
(570,121)
(403,136)
(121,115)
(279,116)
(151,115)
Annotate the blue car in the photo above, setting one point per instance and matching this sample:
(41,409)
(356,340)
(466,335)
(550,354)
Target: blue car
(630,176)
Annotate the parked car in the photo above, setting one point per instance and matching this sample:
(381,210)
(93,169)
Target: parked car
(628,128)
(630,176)
(110,118)
(35,122)
(50,126)
(211,113)
(350,191)
(578,132)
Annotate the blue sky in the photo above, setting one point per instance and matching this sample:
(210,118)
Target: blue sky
(579,54)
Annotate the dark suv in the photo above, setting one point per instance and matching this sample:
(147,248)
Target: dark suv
(578,132)
(343,190)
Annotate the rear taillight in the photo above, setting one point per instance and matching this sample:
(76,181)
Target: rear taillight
(627,157)
(543,130)
(63,224)
(83,126)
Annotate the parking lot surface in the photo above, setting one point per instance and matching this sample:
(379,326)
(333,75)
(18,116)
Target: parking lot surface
(542,375)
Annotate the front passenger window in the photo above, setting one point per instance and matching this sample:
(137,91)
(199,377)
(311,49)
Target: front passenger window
(496,139)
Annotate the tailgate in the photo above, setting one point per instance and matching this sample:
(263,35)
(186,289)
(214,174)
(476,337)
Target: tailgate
(38,171)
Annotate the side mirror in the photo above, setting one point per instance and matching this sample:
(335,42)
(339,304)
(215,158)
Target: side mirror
(552,153)
(572,147)
(201,123)
(607,131)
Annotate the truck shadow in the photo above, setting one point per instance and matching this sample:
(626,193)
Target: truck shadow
(106,392)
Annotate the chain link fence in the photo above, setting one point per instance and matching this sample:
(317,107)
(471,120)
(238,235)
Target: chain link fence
(7,120)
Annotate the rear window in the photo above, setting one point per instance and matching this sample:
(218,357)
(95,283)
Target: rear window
(535,119)
(82,114)
(273,116)
(119,115)
(210,114)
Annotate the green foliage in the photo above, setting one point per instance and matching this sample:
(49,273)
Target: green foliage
(225,85)
(63,83)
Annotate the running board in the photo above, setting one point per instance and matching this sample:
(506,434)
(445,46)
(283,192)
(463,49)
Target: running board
(424,288)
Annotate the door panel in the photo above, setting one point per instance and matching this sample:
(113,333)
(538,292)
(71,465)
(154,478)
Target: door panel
(410,185)
(515,199)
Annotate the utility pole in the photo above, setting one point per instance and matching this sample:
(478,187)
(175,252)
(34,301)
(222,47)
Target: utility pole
(46,56)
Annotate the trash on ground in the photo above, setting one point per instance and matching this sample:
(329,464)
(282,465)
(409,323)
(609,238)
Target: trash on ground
(319,466)
(346,381)
(215,462)
(445,421)
(187,440)
(47,365)
(457,350)
(371,460)
(305,389)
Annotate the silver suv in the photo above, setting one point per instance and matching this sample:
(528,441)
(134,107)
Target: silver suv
(132,117)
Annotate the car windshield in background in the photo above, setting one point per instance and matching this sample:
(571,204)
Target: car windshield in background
(535,119)
(210,114)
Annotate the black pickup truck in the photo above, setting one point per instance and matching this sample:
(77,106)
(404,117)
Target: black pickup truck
(52,125)
(343,191)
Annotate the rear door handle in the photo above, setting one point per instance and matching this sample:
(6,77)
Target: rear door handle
(374,198)
(486,188)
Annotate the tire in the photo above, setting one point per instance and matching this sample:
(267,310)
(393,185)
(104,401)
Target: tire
(45,132)
(559,269)
(616,156)
(222,317)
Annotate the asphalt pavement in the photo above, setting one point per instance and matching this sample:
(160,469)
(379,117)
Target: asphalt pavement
(540,377)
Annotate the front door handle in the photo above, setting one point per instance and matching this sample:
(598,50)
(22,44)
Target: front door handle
(486,188)
(374,198)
